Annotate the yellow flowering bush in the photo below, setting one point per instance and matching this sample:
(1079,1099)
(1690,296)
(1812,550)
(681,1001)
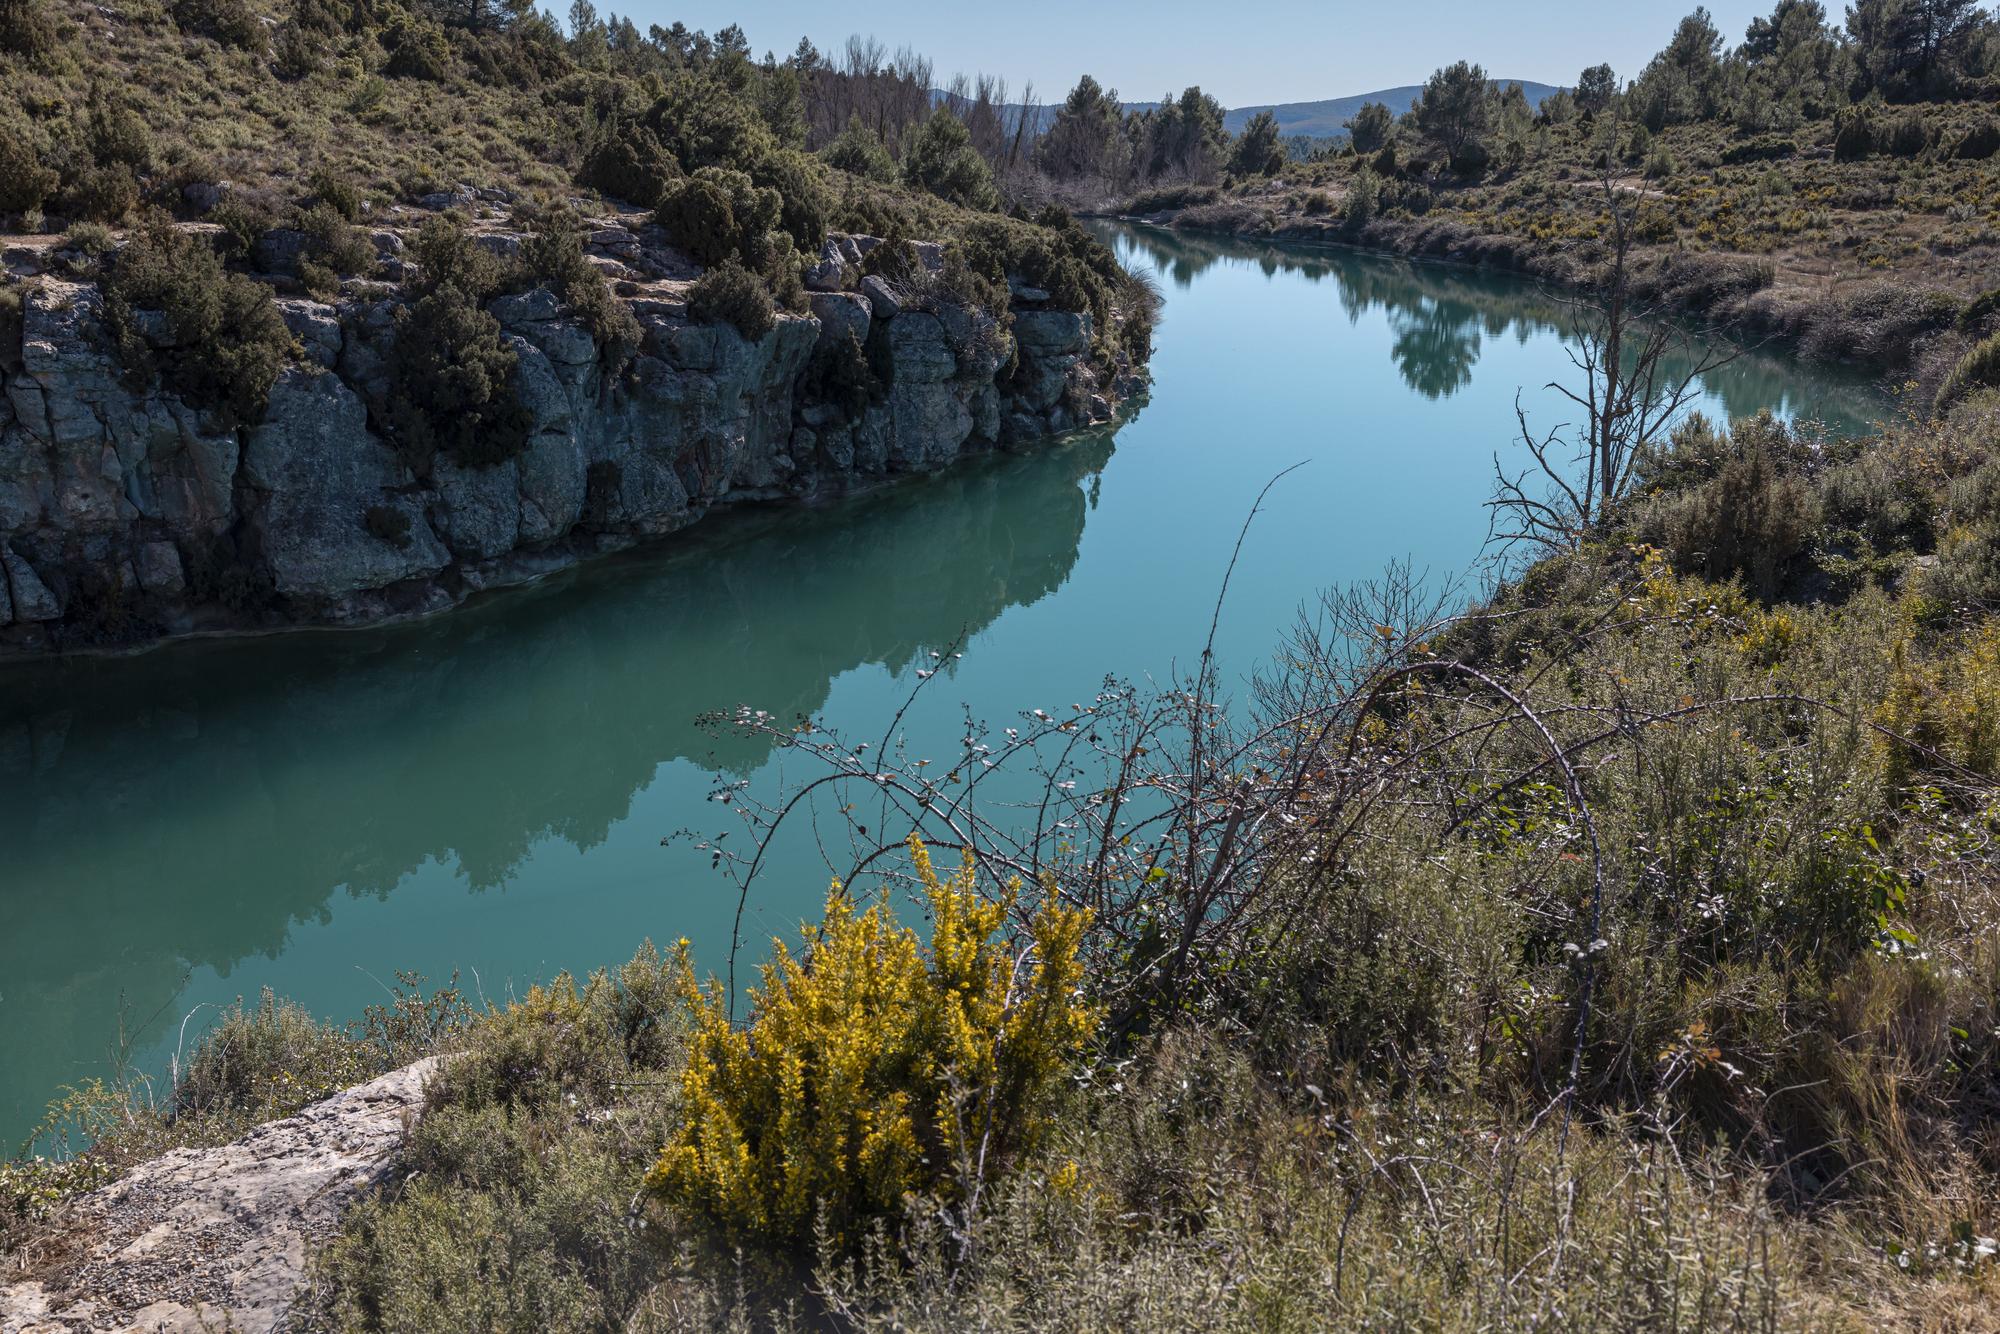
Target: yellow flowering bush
(1947,705)
(874,1068)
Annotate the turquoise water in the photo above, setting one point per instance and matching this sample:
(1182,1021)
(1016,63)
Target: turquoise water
(488,792)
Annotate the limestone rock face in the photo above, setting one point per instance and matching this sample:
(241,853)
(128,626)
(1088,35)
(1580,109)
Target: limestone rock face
(312,515)
(316,473)
(209,1239)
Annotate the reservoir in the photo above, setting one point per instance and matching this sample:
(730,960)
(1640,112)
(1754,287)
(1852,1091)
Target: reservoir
(487,793)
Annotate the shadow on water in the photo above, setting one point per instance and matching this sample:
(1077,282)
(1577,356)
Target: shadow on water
(184,807)
(1443,314)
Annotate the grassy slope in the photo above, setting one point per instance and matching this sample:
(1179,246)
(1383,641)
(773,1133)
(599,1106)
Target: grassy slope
(1841,256)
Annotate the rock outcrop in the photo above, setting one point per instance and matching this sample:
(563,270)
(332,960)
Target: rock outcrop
(127,516)
(209,1239)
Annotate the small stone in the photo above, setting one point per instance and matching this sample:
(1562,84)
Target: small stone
(505,245)
(881,297)
(526,307)
(826,274)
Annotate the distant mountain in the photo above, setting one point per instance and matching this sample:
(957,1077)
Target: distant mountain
(1320,119)
(1329,118)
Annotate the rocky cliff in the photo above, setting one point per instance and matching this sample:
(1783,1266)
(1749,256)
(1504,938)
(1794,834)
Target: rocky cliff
(126,516)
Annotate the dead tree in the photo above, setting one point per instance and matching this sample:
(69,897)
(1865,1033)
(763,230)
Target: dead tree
(1640,372)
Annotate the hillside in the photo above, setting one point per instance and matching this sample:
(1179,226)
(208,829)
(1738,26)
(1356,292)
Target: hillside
(1323,119)
(1327,119)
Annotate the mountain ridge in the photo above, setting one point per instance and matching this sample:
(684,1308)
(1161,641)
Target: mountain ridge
(1325,118)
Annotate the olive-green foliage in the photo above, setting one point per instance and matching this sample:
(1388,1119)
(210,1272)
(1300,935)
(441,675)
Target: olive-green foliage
(24,182)
(93,239)
(857,150)
(704,124)
(231,22)
(697,216)
(804,196)
(334,247)
(1257,151)
(730,294)
(452,389)
(101,194)
(553,258)
(942,160)
(513,1211)
(224,341)
(446,257)
(1981,142)
(718,214)
(631,164)
(256,1064)
(29,27)
(1736,511)
(1061,259)
(1968,570)
(418,49)
(1977,369)
(337,191)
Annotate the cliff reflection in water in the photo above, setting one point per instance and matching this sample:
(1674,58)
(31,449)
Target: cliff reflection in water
(192,803)
(1442,315)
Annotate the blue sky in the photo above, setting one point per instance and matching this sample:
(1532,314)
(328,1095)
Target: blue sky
(1281,51)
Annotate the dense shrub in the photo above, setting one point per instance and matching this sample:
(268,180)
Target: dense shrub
(333,247)
(101,194)
(337,192)
(1747,517)
(942,160)
(453,386)
(231,22)
(29,27)
(1165,199)
(875,1069)
(704,124)
(730,294)
(718,214)
(1977,369)
(553,258)
(631,164)
(1945,707)
(418,49)
(1359,209)
(1979,313)
(24,182)
(1853,135)
(446,257)
(513,1206)
(856,149)
(1765,148)
(256,1064)
(1981,142)
(804,198)
(224,341)
(1907,136)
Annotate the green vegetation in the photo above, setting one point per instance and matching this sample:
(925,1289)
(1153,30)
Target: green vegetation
(1725,152)
(731,294)
(254,1063)
(221,344)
